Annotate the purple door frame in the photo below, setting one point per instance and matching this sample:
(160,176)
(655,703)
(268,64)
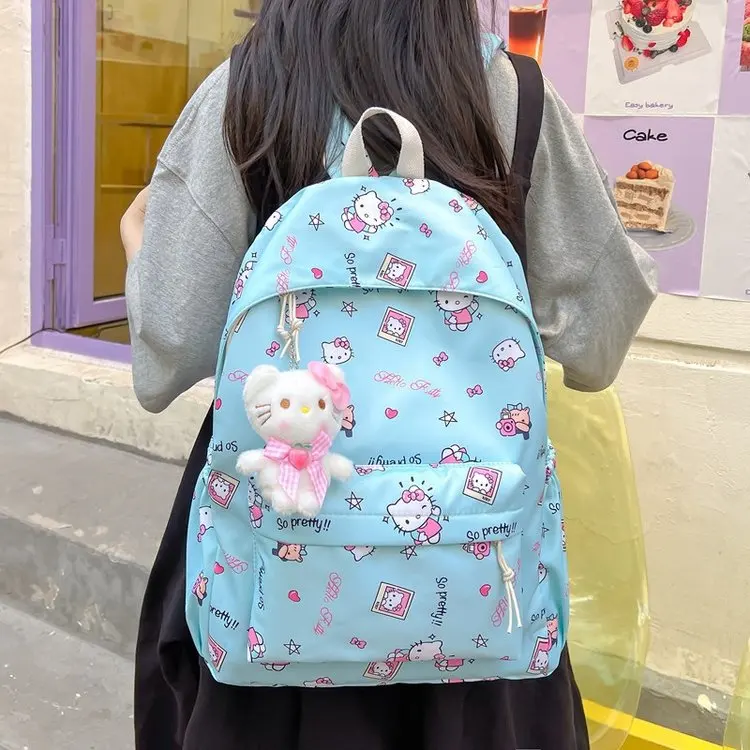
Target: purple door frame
(77,119)
(63,122)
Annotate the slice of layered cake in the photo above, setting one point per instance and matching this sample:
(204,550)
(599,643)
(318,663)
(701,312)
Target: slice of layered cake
(644,196)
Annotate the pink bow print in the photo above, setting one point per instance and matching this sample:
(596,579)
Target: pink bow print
(341,343)
(385,210)
(442,357)
(506,364)
(475,391)
(358,643)
(415,494)
(340,394)
(293,460)
(426,231)
(275,346)
(456,206)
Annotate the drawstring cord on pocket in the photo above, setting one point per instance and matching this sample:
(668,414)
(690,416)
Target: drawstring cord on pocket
(290,335)
(509,578)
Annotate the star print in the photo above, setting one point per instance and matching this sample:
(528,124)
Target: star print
(509,264)
(449,418)
(432,637)
(386,519)
(446,519)
(292,647)
(355,503)
(409,552)
(479,316)
(482,233)
(349,309)
(544,531)
(254,256)
(316,222)
(480,641)
(316,313)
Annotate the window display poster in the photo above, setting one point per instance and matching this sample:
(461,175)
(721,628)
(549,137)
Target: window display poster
(655,57)
(663,90)
(726,262)
(659,171)
(735,89)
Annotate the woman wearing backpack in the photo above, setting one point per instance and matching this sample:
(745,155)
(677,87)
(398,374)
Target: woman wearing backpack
(253,136)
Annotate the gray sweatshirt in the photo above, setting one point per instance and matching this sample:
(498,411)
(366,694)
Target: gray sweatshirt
(591,285)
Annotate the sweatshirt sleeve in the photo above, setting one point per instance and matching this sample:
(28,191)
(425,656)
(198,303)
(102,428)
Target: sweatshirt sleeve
(590,284)
(198,226)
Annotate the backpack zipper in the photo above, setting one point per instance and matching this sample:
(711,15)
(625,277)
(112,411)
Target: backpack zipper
(289,327)
(509,578)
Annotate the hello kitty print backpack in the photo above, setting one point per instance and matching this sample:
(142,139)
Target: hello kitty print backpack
(442,559)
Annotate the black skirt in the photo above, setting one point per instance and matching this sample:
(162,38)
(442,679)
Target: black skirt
(179,706)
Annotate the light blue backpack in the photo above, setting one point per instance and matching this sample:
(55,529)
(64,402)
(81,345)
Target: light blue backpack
(442,559)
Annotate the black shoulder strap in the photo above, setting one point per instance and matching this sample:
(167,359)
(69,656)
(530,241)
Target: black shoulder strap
(528,129)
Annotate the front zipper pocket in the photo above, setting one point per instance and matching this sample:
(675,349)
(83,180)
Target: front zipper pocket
(406,564)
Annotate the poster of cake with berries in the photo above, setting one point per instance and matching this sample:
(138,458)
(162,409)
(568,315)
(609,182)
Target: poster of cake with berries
(655,56)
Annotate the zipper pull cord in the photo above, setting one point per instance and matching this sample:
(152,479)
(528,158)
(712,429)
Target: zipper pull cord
(290,334)
(509,578)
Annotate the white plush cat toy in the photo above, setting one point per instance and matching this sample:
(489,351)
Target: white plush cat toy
(297,413)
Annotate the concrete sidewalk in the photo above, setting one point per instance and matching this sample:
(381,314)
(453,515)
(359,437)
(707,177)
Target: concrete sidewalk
(80,523)
(58,692)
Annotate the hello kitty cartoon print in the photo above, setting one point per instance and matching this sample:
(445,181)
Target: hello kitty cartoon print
(416,186)
(368,214)
(337,352)
(206,521)
(429,651)
(415,514)
(507,353)
(458,309)
(273,221)
(306,303)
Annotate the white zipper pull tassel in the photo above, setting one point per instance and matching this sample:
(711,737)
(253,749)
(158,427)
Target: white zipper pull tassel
(290,335)
(509,578)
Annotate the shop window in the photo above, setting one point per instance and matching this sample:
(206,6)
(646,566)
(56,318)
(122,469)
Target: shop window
(123,71)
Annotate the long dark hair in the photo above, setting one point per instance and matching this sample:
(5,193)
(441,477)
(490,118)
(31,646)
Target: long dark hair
(420,58)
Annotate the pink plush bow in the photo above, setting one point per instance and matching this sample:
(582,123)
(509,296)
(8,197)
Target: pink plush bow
(293,460)
(414,494)
(340,394)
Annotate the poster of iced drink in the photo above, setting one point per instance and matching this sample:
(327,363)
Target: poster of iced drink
(526,25)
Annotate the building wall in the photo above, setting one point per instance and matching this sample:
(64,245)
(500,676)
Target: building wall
(15,169)
(684,389)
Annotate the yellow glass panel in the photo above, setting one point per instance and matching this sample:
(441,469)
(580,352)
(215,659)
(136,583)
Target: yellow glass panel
(609,633)
(737,734)
(151,56)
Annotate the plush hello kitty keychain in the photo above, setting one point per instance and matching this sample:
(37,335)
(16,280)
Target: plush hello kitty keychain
(297,413)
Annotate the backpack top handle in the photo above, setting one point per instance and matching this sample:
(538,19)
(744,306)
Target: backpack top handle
(356,163)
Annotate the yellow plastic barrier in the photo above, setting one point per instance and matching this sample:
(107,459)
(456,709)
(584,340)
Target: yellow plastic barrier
(641,735)
(609,634)
(737,734)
